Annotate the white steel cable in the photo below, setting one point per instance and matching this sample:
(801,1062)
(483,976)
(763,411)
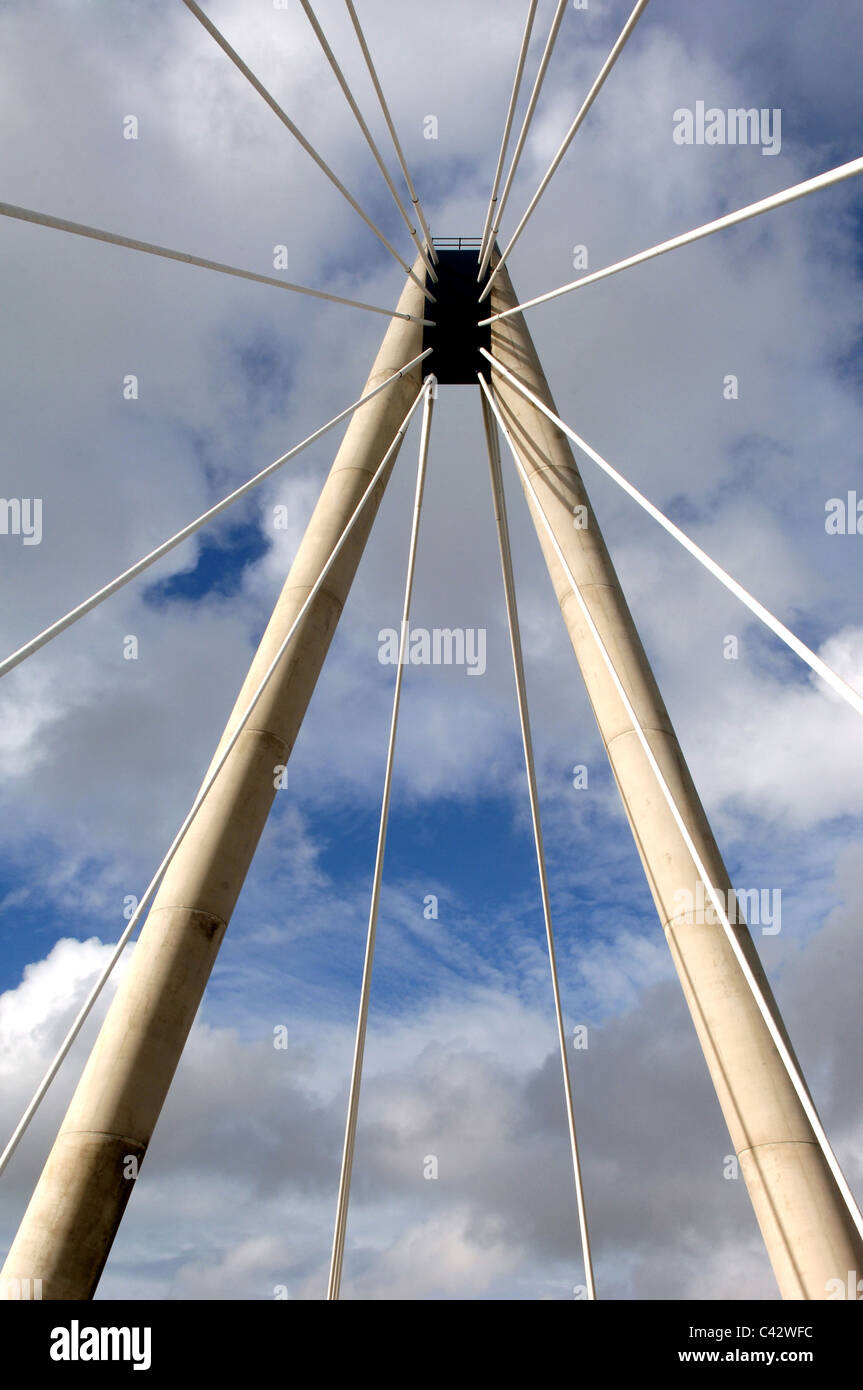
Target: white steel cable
(507,128)
(827,674)
(60,224)
(370,140)
(338,1251)
(296,132)
(530,769)
(414,197)
(586,105)
(523,134)
(80,1019)
(776,200)
(42,638)
(788,1061)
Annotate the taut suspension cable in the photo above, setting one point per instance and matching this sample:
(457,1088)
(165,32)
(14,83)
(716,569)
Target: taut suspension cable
(369,138)
(60,224)
(297,133)
(338,1252)
(523,134)
(107,590)
(788,1061)
(361,39)
(507,128)
(530,768)
(835,681)
(41,1090)
(586,105)
(776,200)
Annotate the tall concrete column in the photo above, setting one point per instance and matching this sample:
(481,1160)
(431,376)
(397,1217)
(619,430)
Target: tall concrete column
(808,1232)
(73,1215)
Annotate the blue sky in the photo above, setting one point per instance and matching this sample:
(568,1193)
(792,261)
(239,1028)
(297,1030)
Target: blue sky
(103,756)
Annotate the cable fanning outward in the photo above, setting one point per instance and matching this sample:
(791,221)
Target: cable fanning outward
(338,1251)
(505,548)
(776,200)
(370,141)
(297,133)
(107,590)
(835,681)
(60,224)
(507,128)
(361,39)
(586,105)
(523,134)
(788,1061)
(219,763)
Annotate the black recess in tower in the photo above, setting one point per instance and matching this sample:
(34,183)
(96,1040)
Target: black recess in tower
(456,337)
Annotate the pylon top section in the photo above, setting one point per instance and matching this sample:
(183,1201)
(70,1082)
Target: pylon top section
(457,336)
